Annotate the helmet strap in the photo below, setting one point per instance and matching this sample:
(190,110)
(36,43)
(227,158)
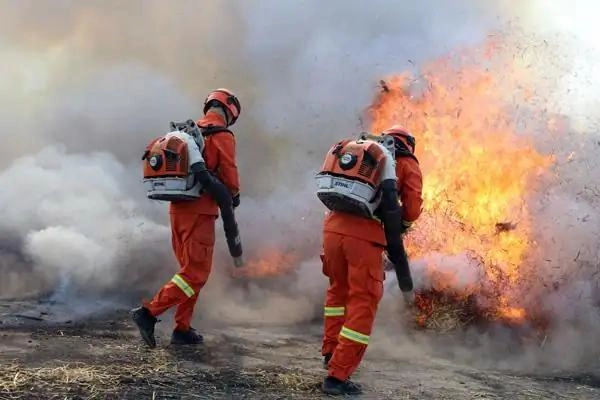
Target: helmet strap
(401,147)
(218,109)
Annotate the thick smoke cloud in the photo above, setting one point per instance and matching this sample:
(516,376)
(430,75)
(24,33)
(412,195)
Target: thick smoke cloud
(320,69)
(566,217)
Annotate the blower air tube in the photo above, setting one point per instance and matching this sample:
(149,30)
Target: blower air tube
(222,196)
(391,216)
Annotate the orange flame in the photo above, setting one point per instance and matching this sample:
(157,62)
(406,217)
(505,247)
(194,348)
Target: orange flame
(272,262)
(478,169)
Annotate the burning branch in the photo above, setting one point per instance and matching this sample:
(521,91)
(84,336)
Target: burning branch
(384,87)
(505,227)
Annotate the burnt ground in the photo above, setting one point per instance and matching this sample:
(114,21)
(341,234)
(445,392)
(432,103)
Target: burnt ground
(46,356)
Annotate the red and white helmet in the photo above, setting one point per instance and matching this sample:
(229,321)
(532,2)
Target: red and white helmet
(225,99)
(401,134)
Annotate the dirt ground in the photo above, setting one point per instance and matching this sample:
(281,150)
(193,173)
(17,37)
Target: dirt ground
(44,355)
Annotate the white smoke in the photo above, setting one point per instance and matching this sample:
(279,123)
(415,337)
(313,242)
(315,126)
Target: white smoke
(567,222)
(77,221)
(457,272)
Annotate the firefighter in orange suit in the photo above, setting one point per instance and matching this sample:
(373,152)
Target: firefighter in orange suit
(352,260)
(193,226)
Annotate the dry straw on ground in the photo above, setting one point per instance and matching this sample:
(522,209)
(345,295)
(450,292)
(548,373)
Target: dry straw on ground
(159,374)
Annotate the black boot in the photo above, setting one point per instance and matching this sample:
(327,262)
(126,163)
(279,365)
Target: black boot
(186,337)
(326,359)
(334,386)
(145,323)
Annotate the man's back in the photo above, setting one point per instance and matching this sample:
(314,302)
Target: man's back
(219,156)
(409,185)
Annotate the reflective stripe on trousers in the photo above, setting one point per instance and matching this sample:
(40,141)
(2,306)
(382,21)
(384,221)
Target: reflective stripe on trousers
(354,336)
(183,285)
(335,311)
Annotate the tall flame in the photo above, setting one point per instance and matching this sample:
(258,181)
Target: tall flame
(478,169)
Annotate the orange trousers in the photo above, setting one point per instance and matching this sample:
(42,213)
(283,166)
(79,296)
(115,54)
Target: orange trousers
(193,239)
(355,272)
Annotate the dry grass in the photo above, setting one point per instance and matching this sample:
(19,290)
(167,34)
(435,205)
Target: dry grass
(159,374)
(15,378)
(93,380)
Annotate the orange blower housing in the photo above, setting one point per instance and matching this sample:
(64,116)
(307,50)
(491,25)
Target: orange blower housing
(167,156)
(351,174)
(167,166)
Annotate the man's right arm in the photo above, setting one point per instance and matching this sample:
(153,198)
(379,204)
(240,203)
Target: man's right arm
(227,170)
(410,185)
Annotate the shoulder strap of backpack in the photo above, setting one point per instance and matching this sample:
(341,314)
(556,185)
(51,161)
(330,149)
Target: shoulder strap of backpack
(211,130)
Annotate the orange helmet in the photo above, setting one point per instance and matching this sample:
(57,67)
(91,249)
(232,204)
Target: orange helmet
(403,139)
(225,99)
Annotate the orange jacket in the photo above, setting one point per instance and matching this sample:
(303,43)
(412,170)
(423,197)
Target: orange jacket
(219,156)
(410,185)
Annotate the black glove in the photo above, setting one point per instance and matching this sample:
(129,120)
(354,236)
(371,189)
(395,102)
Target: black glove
(235,200)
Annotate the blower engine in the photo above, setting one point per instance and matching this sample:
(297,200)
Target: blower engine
(174,170)
(351,174)
(167,170)
(359,177)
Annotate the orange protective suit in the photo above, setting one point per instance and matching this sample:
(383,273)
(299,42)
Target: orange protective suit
(352,260)
(193,229)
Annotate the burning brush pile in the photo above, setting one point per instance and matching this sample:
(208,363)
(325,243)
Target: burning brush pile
(470,245)
(472,115)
